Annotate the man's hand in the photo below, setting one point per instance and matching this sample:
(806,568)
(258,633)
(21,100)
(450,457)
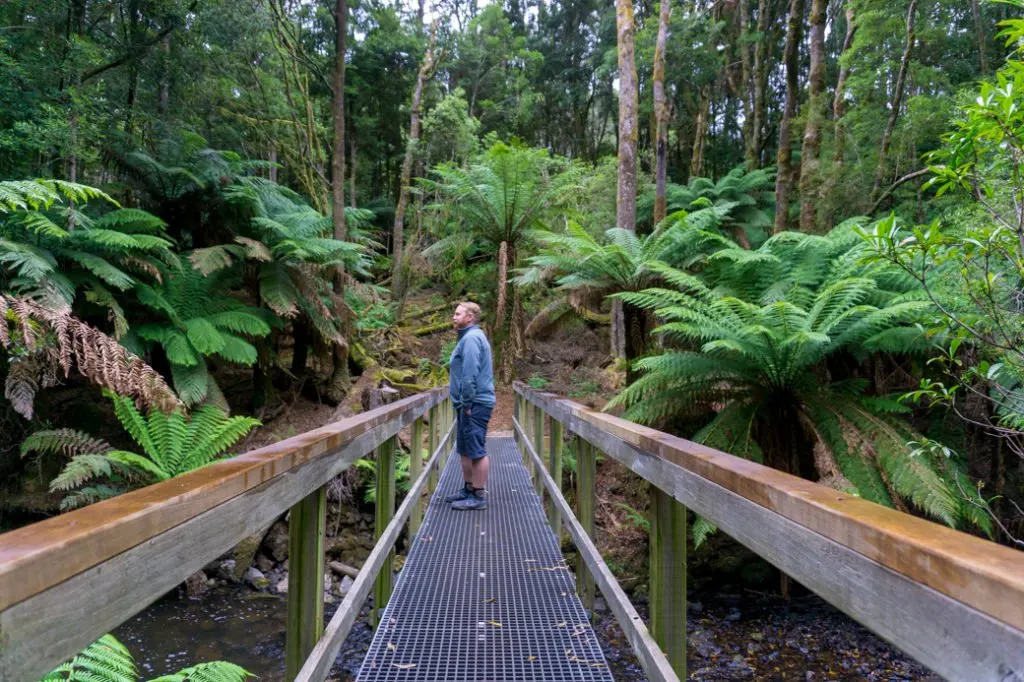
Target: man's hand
(469,411)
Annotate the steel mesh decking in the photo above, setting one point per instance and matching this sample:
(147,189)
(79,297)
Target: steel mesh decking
(484,595)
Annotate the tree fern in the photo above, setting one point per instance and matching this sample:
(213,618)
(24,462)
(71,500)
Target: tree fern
(746,345)
(172,444)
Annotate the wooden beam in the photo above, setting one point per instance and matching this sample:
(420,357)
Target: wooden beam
(433,433)
(586,475)
(554,516)
(668,577)
(538,446)
(307,524)
(953,601)
(415,467)
(384,511)
(42,555)
(652,660)
(319,663)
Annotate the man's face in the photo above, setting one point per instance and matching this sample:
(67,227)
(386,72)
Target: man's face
(462,318)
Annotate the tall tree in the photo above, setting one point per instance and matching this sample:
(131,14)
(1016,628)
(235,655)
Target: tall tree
(628,117)
(339,382)
(897,101)
(661,112)
(810,163)
(839,101)
(791,59)
(762,55)
(398,234)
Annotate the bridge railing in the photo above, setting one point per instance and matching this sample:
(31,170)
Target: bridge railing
(66,581)
(952,601)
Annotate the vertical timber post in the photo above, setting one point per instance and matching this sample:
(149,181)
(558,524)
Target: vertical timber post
(527,425)
(668,577)
(554,515)
(449,418)
(383,513)
(307,524)
(538,438)
(586,473)
(434,432)
(415,469)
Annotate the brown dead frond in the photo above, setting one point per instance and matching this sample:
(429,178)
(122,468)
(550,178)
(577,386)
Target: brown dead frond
(55,338)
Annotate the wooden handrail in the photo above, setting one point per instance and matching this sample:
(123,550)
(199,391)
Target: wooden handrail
(70,579)
(320,660)
(953,601)
(652,660)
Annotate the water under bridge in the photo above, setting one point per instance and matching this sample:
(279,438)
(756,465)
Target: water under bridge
(488,596)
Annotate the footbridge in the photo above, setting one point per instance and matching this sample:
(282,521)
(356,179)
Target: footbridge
(487,596)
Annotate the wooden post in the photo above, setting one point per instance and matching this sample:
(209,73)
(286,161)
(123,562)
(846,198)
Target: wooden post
(554,515)
(538,445)
(306,528)
(449,418)
(415,469)
(383,513)
(668,577)
(434,433)
(586,474)
(515,416)
(527,425)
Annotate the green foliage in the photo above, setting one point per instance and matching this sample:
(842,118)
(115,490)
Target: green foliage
(197,322)
(172,444)
(635,517)
(107,660)
(747,344)
(748,195)
(368,467)
(51,249)
(538,382)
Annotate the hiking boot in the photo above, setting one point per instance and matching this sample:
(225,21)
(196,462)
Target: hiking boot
(464,492)
(470,503)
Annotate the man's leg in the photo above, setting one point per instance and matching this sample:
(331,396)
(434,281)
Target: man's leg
(462,425)
(479,474)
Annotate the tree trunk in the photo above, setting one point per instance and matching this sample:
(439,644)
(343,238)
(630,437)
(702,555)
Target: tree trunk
(660,113)
(340,381)
(897,101)
(628,117)
(165,77)
(761,58)
(499,311)
(810,161)
(701,132)
(398,234)
(352,173)
(627,134)
(746,84)
(784,179)
(839,103)
(979,30)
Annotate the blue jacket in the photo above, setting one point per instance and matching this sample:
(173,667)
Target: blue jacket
(471,375)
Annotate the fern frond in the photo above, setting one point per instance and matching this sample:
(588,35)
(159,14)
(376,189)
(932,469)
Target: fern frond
(217,671)
(64,441)
(105,660)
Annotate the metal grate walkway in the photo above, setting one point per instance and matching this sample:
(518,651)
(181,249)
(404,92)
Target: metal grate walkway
(485,596)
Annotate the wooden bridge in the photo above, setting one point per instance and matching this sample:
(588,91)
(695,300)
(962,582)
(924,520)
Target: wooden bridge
(485,596)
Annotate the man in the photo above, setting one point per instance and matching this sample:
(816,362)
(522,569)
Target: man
(472,390)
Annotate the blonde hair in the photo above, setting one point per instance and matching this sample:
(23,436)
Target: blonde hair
(472,308)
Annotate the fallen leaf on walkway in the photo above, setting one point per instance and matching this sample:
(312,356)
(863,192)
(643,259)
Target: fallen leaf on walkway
(392,647)
(495,623)
(531,658)
(561,625)
(490,600)
(404,666)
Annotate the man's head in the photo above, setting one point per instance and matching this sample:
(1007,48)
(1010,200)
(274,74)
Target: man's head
(466,314)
